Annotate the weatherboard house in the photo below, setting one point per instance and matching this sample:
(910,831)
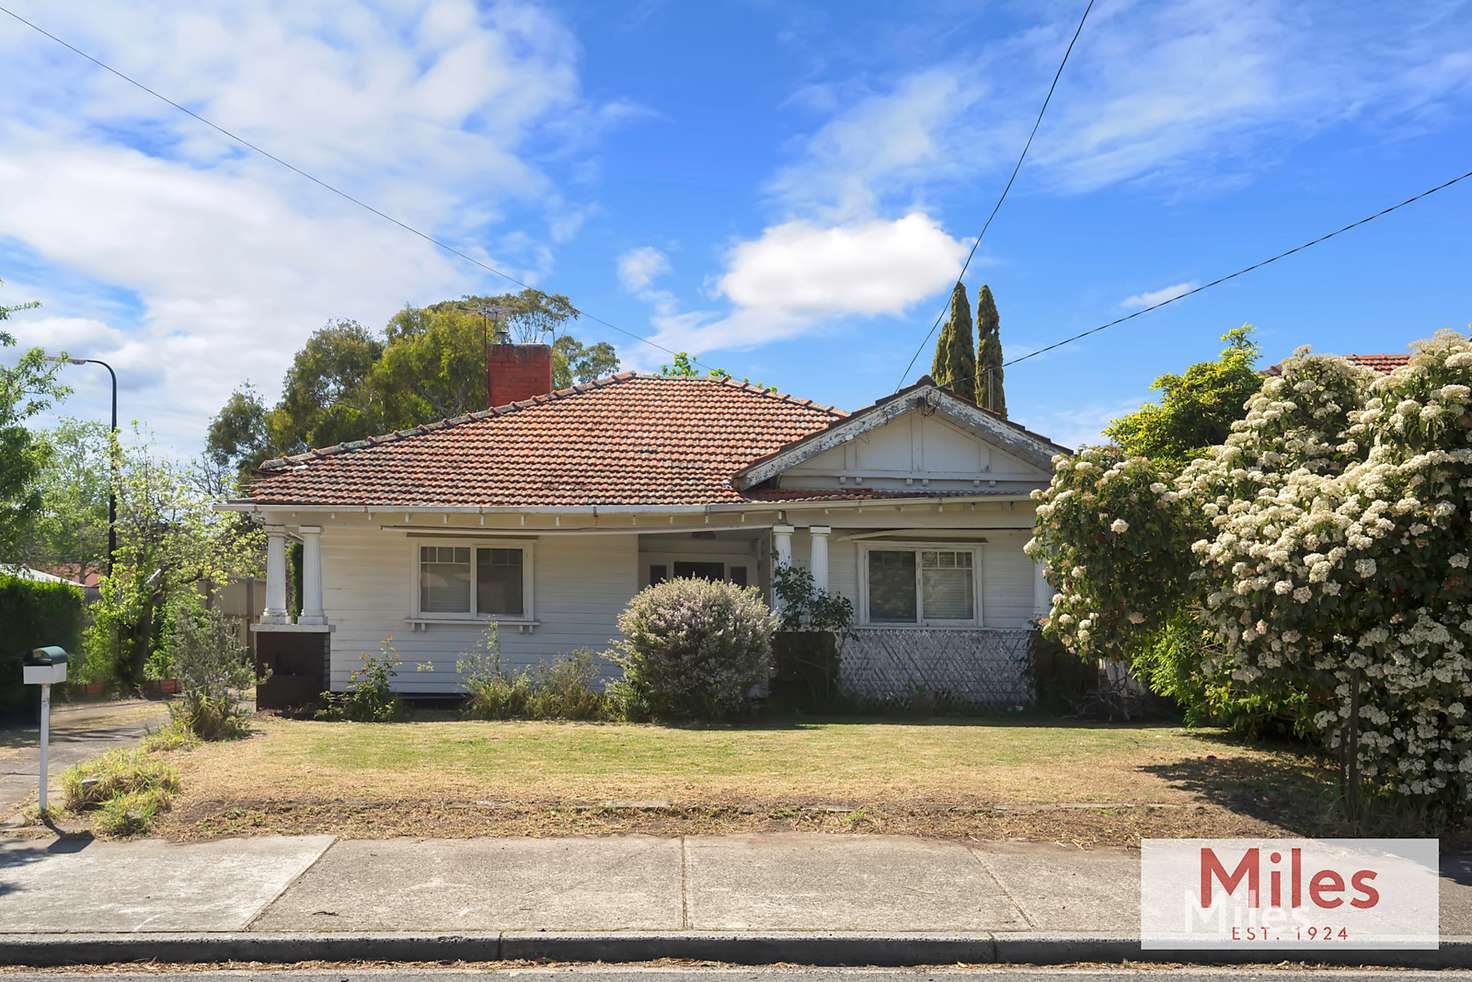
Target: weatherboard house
(548,511)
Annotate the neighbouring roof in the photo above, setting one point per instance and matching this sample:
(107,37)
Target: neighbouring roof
(1384,364)
(632,439)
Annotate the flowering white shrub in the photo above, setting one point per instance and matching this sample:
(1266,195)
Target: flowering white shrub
(692,649)
(1111,532)
(1333,557)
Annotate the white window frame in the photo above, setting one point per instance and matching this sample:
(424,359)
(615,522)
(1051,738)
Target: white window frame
(726,559)
(528,564)
(917,547)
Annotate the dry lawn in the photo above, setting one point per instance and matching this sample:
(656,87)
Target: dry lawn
(1074,782)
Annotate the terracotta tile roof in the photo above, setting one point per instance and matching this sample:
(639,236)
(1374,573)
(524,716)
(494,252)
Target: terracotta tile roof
(1384,364)
(631,439)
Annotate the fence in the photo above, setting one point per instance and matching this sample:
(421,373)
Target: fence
(984,668)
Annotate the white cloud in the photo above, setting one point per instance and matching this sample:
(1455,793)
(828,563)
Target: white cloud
(873,267)
(799,276)
(639,268)
(1185,94)
(443,115)
(1180,92)
(1153,297)
(891,139)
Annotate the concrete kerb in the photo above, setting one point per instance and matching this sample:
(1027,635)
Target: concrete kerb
(805,948)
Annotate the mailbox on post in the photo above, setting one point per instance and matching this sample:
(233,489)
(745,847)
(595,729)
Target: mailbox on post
(44,667)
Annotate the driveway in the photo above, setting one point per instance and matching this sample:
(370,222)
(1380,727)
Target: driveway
(78,731)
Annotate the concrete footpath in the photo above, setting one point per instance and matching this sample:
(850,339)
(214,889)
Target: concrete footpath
(810,898)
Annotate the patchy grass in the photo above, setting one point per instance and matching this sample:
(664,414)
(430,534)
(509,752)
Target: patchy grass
(94,782)
(172,737)
(132,813)
(123,790)
(1083,782)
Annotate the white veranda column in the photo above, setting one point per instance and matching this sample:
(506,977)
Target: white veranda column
(311,575)
(275,612)
(1042,592)
(782,556)
(818,561)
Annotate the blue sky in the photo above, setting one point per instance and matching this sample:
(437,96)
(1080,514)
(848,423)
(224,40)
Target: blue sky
(785,189)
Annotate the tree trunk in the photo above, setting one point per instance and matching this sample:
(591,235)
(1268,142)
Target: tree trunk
(1352,755)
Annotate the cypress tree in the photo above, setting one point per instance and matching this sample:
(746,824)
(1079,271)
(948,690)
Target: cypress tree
(954,367)
(989,391)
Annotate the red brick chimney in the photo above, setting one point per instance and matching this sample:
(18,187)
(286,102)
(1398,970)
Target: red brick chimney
(518,371)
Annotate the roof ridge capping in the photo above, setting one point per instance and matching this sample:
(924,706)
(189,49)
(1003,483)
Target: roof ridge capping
(748,386)
(277,464)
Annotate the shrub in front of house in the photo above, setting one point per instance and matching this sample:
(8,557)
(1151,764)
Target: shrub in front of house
(371,699)
(568,688)
(808,645)
(692,650)
(213,667)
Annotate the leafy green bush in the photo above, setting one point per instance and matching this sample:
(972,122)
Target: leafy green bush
(93,783)
(213,667)
(691,649)
(565,689)
(807,608)
(34,614)
(1183,663)
(371,698)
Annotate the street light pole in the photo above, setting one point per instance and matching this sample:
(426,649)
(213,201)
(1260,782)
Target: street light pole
(112,465)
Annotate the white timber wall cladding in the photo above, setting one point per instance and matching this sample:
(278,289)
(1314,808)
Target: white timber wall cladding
(1006,575)
(581,584)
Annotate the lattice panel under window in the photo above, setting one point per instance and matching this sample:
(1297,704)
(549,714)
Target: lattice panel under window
(986,668)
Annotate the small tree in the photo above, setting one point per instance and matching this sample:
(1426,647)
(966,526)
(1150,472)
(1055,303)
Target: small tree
(1324,546)
(1196,409)
(171,543)
(692,649)
(213,667)
(26,388)
(989,390)
(954,367)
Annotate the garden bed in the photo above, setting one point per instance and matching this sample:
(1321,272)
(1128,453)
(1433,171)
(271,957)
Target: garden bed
(1072,782)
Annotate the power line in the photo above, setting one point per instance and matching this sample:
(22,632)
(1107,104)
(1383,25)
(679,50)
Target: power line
(1003,197)
(323,184)
(1244,270)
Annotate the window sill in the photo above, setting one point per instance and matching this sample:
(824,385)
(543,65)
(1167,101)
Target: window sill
(424,622)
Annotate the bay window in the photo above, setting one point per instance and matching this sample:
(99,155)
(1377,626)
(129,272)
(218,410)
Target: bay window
(921,585)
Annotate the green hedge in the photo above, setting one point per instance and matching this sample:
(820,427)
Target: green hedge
(33,614)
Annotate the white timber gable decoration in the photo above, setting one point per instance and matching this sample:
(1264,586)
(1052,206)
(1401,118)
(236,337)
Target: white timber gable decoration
(920,438)
(546,516)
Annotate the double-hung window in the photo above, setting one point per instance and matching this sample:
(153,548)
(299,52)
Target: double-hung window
(921,585)
(488,581)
